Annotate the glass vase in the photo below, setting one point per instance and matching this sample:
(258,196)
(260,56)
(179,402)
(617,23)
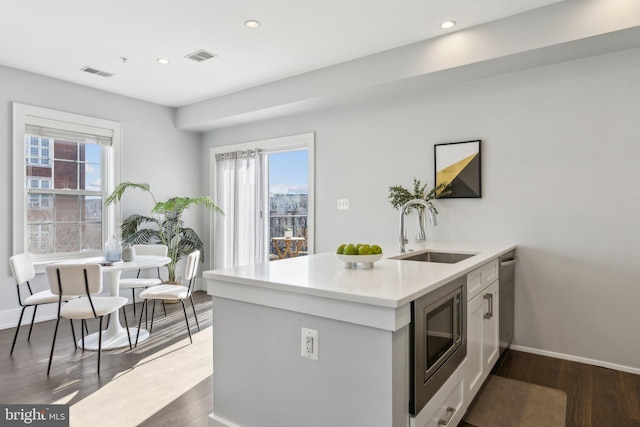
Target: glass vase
(421,225)
(112,249)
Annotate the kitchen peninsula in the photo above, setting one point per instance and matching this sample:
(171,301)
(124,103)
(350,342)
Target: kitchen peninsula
(361,316)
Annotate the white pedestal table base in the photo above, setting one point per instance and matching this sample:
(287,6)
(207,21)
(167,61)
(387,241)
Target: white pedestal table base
(112,342)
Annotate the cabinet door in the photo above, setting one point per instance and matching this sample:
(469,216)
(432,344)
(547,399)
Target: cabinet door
(490,333)
(474,375)
(482,339)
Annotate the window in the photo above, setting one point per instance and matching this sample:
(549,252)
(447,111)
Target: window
(68,168)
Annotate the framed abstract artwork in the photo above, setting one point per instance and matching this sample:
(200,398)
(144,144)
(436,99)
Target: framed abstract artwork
(458,163)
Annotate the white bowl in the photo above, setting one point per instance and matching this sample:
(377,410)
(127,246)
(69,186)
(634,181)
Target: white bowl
(352,261)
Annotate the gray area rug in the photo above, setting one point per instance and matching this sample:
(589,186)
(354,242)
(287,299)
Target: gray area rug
(503,402)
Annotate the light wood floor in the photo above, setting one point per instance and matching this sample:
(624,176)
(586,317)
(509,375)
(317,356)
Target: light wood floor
(165,381)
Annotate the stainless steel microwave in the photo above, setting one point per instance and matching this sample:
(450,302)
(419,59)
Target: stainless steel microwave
(438,340)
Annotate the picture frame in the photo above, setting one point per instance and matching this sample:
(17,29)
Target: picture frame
(459,163)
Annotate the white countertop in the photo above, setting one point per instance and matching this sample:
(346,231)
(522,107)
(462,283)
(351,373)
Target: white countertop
(390,283)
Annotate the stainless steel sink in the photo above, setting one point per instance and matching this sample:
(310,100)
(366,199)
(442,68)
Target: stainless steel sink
(441,257)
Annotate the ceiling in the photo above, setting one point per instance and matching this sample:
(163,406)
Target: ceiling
(125,38)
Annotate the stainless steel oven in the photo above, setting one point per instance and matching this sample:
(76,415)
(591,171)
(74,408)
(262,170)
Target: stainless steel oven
(438,339)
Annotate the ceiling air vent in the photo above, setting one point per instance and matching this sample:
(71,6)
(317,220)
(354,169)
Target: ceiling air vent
(201,55)
(96,72)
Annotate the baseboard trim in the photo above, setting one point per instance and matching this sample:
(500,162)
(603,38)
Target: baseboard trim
(201,284)
(215,421)
(579,359)
(9,318)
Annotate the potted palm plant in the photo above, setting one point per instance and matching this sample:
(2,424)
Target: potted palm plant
(166,227)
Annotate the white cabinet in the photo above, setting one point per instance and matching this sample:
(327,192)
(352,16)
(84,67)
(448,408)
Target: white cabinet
(490,333)
(481,277)
(482,331)
(446,407)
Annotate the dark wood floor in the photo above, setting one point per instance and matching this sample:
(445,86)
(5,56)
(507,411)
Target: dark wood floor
(23,376)
(596,397)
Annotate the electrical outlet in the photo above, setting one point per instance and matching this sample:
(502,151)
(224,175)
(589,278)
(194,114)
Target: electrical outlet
(309,344)
(343,204)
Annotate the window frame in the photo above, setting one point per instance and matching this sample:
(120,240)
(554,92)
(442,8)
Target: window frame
(111,161)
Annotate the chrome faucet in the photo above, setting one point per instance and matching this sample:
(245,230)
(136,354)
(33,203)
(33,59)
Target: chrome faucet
(432,218)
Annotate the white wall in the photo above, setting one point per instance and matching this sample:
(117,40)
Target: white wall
(153,151)
(560,155)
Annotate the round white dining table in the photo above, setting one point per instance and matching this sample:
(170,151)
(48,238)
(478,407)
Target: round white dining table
(115,336)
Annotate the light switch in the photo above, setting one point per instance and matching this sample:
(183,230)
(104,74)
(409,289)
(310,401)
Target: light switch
(343,204)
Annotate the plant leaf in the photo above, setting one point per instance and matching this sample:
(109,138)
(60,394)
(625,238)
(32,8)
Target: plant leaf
(117,193)
(179,204)
(144,236)
(189,243)
(135,222)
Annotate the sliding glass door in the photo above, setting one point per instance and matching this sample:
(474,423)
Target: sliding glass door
(288,203)
(266,192)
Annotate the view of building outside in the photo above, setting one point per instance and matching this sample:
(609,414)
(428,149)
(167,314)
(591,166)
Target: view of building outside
(60,220)
(288,195)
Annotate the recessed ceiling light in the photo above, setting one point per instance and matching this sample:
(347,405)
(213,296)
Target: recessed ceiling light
(162,61)
(252,23)
(447,24)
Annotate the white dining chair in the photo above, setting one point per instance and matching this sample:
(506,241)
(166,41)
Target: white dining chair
(85,280)
(173,292)
(144,282)
(23,271)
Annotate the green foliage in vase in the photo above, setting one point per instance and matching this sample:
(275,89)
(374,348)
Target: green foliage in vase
(166,228)
(399,195)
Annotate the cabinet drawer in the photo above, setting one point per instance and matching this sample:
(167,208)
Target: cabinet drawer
(481,277)
(446,405)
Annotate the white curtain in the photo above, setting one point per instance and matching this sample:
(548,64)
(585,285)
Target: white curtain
(240,191)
